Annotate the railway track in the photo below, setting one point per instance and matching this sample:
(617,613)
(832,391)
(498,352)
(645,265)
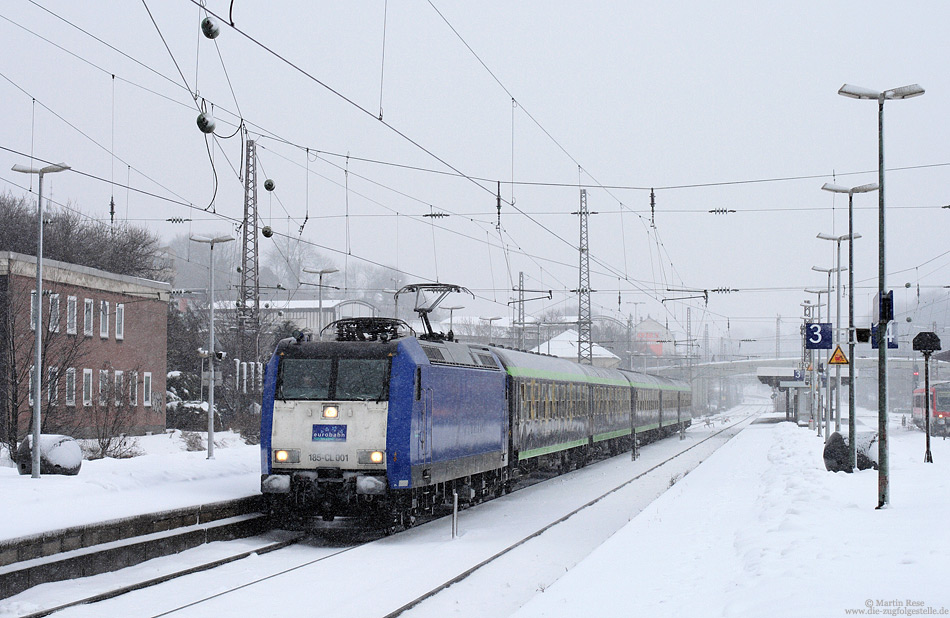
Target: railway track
(101,547)
(265,547)
(277,541)
(434,591)
(184,598)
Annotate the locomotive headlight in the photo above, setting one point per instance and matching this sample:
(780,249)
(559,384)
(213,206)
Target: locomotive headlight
(330,412)
(371,457)
(290,455)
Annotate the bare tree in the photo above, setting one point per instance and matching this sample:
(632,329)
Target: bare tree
(60,352)
(70,237)
(111,414)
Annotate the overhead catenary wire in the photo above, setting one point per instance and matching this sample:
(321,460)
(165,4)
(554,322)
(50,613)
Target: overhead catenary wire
(510,182)
(128,183)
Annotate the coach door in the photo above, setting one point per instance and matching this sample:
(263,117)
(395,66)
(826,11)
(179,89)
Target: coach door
(424,396)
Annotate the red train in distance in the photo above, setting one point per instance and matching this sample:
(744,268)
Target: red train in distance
(939,408)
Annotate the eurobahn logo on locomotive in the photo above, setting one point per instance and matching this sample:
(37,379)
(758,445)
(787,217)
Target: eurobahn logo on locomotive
(329,433)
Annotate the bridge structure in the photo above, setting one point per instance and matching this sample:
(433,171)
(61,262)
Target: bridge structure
(718,385)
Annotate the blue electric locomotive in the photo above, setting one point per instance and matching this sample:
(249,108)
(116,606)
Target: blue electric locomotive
(385,426)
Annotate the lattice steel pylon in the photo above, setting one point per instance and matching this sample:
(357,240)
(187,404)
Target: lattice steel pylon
(521,310)
(585,347)
(249,309)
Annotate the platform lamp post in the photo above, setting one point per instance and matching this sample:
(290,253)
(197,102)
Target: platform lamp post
(490,320)
(904,92)
(38,309)
(818,319)
(320,273)
(852,447)
(212,356)
(452,311)
(837,269)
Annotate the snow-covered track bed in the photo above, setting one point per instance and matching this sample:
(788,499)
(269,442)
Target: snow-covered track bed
(462,592)
(237,551)
(532,536)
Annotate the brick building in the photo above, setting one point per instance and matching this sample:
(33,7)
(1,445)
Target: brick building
(104,340)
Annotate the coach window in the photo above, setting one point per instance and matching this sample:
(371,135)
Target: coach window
(523,401)
(534,399)
(549,408)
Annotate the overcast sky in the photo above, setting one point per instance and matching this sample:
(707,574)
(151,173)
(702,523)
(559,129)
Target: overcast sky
(718,106)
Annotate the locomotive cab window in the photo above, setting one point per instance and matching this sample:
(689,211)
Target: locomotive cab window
(345,379)
(305,378)
(362,378)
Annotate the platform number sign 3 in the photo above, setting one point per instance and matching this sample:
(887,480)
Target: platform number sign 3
(818,336)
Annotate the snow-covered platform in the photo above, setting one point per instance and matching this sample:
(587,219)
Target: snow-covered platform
(164,479)
(761,529)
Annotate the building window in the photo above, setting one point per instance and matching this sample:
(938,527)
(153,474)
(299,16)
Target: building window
(54,313)
(119,388)
(103,386)
(32,372)
(33,309)
(147,389)
(70,315)
(87,387)
(133,388)
(52,385)
(104,319)
(71,386)
(120,321)
(87,317)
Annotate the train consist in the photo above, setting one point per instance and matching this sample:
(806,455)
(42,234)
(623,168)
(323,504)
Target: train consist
(939,409)
(383,425)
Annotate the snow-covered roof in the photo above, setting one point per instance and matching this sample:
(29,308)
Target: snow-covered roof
(565,346)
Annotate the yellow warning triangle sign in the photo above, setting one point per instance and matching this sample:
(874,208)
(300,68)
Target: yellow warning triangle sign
(838,358)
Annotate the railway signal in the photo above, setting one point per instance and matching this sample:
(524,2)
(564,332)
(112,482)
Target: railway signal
(927,343)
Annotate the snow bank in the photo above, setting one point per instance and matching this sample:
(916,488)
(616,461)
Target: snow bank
(167,477)
(761,529)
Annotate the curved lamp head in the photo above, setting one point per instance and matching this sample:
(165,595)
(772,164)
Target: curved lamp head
(859,92)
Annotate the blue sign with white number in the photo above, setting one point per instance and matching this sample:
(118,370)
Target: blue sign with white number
(890,334)
(818,336)
(329,433)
